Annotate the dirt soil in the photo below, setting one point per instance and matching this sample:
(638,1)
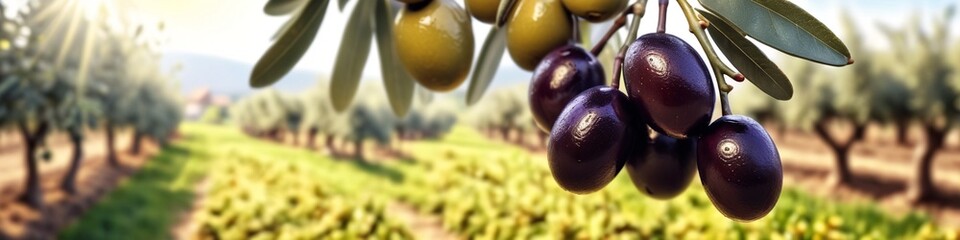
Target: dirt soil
(423,226)
(881,170)
(187,221)
(95,179)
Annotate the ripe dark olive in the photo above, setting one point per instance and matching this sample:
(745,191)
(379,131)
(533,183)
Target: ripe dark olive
(664,167)
(483,10)
(587,145)
(739,167)
(669,83)
(562,75)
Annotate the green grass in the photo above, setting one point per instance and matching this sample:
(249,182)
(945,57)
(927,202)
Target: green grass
(144,206)
(147,205)
(484,188)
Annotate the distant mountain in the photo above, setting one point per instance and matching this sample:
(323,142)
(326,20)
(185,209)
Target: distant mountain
(226,76)
(230,77)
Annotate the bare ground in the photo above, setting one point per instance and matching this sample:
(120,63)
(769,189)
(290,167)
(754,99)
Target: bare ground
(881,172)
(423,226)
(187,223)
(95,179)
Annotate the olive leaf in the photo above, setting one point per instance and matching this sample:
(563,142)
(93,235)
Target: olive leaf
(398,83)
(748,59)
(487,64)
(784,26)
(352,56)
(281,7)
(286,25)
(503,12)
(342,4)
(290,47)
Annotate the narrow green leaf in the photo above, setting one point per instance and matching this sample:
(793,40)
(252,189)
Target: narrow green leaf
(748,59)
(342,4)
(290,47)
(487,64)
(783,26)
(286,26)
(282,7)
(352,56)
(398,83)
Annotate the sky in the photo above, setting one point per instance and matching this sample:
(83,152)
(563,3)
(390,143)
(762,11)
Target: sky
(239,30)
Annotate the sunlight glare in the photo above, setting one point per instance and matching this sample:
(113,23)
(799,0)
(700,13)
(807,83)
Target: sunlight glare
(91,8)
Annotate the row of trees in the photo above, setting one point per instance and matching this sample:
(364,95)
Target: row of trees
(53,81)
(911,83)
(270,114)
(505,112)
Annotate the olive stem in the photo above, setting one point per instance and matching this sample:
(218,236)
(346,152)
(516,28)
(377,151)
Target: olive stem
(577,38)
(719,68)
(617,24)
(662,22)
(639,9)
(724,104)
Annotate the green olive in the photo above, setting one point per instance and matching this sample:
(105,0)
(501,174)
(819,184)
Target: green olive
(483,10)
(435,44)
(535,28)
(595,10)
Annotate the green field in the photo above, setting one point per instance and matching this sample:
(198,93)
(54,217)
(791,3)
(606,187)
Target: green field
(479,188)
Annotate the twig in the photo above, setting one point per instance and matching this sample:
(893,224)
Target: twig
(719,68)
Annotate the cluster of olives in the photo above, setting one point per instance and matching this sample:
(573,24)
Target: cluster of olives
(595,129)
(435,42)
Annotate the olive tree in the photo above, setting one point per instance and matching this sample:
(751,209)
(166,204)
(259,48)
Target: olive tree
(924,58)
(34,97)
(77,114)
(368,119)
(830,102)
(293,111)
(262,114)
(318,116)
(503,112)
(36,105)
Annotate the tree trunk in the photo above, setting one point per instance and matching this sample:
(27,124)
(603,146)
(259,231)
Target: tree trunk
(841,150)
(32,193)
(505,133)
(521,140)
(921,187)
(842,156)
(358,149)
(274,135)
(296,137)
(111,146)
(902,130)
(69,180)
(136,142)
(329,142)
(312,138)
